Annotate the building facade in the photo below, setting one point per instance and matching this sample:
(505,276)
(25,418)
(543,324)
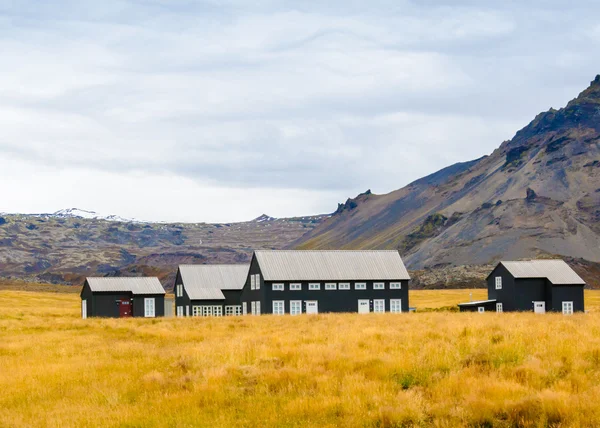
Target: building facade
(209,290)
(310,282)
(536,285)
(122,297)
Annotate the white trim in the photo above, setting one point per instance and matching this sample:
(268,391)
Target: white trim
(498,283)
(244,308)
(480,309)
(314,286)
(179,311)
(258,307)
(379,286)
(277,287)
(344,286)
(149,307)
(252,282)
(187,310)
(396,306)
(233,310)
(278,307)
(253,308)
(330,286)
(258,281)
(295,286)
(84,309)
(295,307)
(379,306)
(360,285)
(567,308)
(499,307)
(395,285)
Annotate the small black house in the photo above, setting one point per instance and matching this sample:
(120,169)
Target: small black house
(209,290)
(535,285)
(296,282)
(122,297)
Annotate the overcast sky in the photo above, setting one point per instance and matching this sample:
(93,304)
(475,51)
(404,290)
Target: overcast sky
(222,110)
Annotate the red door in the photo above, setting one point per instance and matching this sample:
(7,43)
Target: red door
(125,308)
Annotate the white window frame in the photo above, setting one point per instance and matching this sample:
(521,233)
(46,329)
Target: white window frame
(206,311)
(258,307)
(84,309)
(481,309)
(395,285)
(379,286)
(179,311)
(313,286)
(296,286)
(567,308)
(330,286)
(244,308)
(277,287)
(187,310)
(149,307)
(278,307)
(252,282)
(499,307)
(344,286)
(360,285)
(233,310)
(217,311)
(498,283)
(196,311)
(295,307)
(396,306)
(253,307)
(379,306)
(258,281)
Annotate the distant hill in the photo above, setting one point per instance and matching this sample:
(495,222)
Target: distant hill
(536,195)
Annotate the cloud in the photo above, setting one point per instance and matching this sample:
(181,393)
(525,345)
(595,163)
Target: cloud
(317,100)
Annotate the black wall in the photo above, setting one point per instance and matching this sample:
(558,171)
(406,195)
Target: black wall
(104,304)
(568,293)
(138,305)
(232,298)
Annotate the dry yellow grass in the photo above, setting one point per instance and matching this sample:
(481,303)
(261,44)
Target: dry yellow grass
(421,369)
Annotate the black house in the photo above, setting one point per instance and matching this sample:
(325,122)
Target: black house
(122,297)
(209,290)
(296,282)
(535,285)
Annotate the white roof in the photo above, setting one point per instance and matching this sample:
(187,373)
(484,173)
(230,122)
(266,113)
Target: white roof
(558,272)
(205,282)
(331,265)
(135,285)
(478,302)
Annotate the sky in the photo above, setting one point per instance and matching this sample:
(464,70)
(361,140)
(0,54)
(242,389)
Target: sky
(219,111)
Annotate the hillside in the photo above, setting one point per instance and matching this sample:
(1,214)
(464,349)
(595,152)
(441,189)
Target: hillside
(536,195)
(66,248)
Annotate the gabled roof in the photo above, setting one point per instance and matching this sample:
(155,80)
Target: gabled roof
(558,272)
(205,282)
(136,285)
(331,265)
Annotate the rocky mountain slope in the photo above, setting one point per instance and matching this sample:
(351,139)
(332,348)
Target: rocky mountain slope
(65,247)
(537,194)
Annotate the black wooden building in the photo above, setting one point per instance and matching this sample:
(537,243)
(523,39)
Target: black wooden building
(296,282)
(209,290)
(122,297)
(534,285)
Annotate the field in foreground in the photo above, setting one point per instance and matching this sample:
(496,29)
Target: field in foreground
(421,369)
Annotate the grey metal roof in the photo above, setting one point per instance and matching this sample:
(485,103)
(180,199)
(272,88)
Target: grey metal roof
(558,272)
(136,285)
(479,302)
(205,282)
(331,265)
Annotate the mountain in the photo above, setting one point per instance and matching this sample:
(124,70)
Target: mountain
(536,195)
(79,213)
(67,246)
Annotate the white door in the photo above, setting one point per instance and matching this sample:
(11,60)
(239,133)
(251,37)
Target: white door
(187,311)
(379,306)
(539,307)
(84,309)
(395,306)
(363,306)
(567,308)
(149,308)
(312,307)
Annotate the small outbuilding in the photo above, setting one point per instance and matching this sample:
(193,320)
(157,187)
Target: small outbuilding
(533,285)
(122,297)
(210,290)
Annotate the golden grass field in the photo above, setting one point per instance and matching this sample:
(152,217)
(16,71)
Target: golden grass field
(421,369)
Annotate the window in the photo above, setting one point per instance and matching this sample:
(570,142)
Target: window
(379,306)
(253,308)
(196,311)
(252,282)
(314,286)
(179,311)
(257,308)
(395,306)
(218,311)
(84,309)
(498,283)
(244,308)
(379,286)
(480,309)
(278,307)
(277,287)
(344,286)
(567,308)
(149,310)
(295,287)
(295,307)
(330,286)
(257,281)
(360,286)
(187,311)
(498,307)
(178,290)
(395,285)
(233,311)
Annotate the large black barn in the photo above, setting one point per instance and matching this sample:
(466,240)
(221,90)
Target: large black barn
(209,290)
(296,282)
(122,297)
(534,285)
